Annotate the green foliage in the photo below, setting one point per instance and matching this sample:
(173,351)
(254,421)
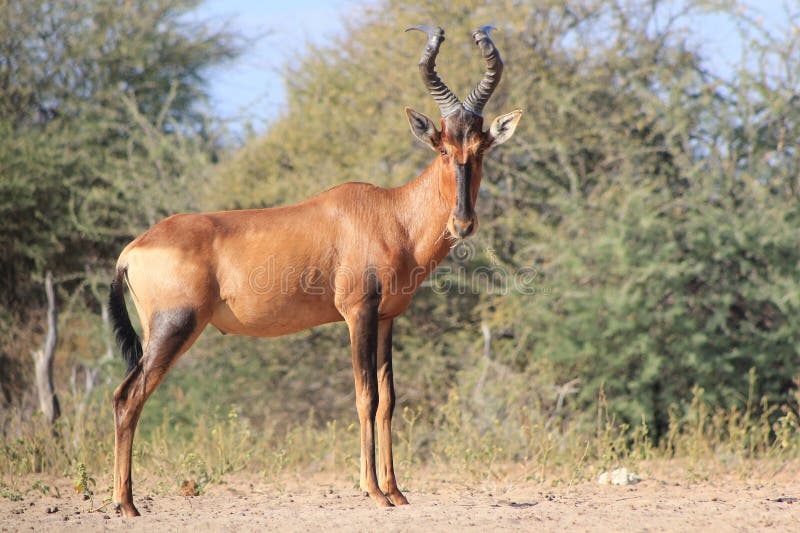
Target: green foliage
(647,204)
(651,198)
(93,94)
(104,132)
(542,448)
(83,482)
(12,495)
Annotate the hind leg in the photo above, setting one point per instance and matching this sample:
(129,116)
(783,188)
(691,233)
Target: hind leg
(170,334)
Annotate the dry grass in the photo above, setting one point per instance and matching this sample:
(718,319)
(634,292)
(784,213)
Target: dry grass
(703,441)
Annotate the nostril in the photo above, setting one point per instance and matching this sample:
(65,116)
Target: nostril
(464,230)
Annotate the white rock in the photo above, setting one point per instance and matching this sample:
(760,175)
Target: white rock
(620,476)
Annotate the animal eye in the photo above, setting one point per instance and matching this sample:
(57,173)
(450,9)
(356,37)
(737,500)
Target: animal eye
(444,152)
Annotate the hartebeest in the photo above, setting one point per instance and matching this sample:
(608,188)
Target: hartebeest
(356,253)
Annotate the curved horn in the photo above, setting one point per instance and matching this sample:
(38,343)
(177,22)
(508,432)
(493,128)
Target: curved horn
(494,70)
(448,102)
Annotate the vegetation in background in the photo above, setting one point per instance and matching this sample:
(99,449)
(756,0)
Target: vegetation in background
(104,133)
(647,206)
(650,199)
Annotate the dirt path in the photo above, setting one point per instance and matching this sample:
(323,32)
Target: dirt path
(248,504)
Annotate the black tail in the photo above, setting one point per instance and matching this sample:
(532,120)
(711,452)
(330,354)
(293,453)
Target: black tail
(127,339)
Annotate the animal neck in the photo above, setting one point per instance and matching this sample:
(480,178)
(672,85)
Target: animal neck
(425,205)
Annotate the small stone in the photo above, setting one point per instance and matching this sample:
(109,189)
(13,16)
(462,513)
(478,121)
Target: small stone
(620,476)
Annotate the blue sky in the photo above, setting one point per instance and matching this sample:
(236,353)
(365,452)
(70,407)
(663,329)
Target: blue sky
(251,89)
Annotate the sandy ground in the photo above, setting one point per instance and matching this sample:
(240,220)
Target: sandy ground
(242,503)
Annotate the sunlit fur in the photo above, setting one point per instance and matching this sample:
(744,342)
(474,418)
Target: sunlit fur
(257,272)
(355,253)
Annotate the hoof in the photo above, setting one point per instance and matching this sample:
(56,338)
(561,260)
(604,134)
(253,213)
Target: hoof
(127,510)
(397,498)
(379,498)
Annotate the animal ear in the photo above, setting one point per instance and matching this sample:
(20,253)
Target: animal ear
(503,128)
(423,129)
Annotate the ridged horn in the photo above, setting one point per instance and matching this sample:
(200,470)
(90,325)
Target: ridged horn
(494,70)
(448,102)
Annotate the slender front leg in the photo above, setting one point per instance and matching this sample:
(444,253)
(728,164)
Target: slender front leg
(363,323)
(385,411)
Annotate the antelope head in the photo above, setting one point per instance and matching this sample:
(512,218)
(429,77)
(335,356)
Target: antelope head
(461,142)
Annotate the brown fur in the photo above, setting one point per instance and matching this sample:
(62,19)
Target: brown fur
(270,272)
(355,253)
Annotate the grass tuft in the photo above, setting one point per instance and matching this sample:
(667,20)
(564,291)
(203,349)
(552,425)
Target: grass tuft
(480,446)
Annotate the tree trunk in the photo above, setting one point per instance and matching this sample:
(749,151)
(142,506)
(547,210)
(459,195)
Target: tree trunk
(43,359)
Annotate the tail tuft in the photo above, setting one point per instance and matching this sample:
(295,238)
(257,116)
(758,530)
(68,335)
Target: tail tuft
(126,336)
